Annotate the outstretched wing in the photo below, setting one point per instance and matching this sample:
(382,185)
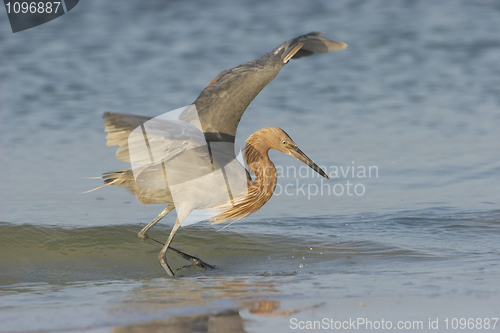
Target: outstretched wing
(145,140)
(119,126)
(221,104)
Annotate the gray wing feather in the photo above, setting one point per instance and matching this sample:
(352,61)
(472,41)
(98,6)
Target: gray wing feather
(119,126)
(165,138)
(221,105)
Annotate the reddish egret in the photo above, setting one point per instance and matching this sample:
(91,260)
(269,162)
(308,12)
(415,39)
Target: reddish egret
(218,110)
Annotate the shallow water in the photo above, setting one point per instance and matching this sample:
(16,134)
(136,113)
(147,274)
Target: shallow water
(414,99)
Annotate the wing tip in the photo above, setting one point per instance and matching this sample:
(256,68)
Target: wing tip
(293,51)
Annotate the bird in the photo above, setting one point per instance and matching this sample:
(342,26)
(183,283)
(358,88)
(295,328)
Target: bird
(190,162)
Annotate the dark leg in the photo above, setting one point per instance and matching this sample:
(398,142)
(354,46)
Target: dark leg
(143,236)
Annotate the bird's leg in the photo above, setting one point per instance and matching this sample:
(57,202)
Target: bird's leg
(161,257)
(143,236)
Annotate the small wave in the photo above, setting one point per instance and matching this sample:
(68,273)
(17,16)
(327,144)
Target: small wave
(34,253)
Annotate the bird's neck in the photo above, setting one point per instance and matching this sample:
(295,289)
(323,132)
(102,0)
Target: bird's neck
(261,168)
(260,189)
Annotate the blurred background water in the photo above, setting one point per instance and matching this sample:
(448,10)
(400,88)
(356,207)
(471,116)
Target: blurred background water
(416,96)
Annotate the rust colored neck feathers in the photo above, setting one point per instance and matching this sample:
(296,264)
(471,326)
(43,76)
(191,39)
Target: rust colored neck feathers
(263,170)
(261,187)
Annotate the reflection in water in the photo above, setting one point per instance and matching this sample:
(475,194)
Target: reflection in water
(226,321)
(267,308)
(174,298)
(164,294)
(220,322)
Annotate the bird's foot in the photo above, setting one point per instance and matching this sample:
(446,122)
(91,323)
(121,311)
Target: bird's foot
(198,262)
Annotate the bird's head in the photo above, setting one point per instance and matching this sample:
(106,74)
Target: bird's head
(276,138)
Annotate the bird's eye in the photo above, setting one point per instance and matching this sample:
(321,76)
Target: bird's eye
(283,142)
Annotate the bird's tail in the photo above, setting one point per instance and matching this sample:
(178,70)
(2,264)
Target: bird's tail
(117,177)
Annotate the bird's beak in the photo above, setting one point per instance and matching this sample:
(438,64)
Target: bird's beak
(298,154)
